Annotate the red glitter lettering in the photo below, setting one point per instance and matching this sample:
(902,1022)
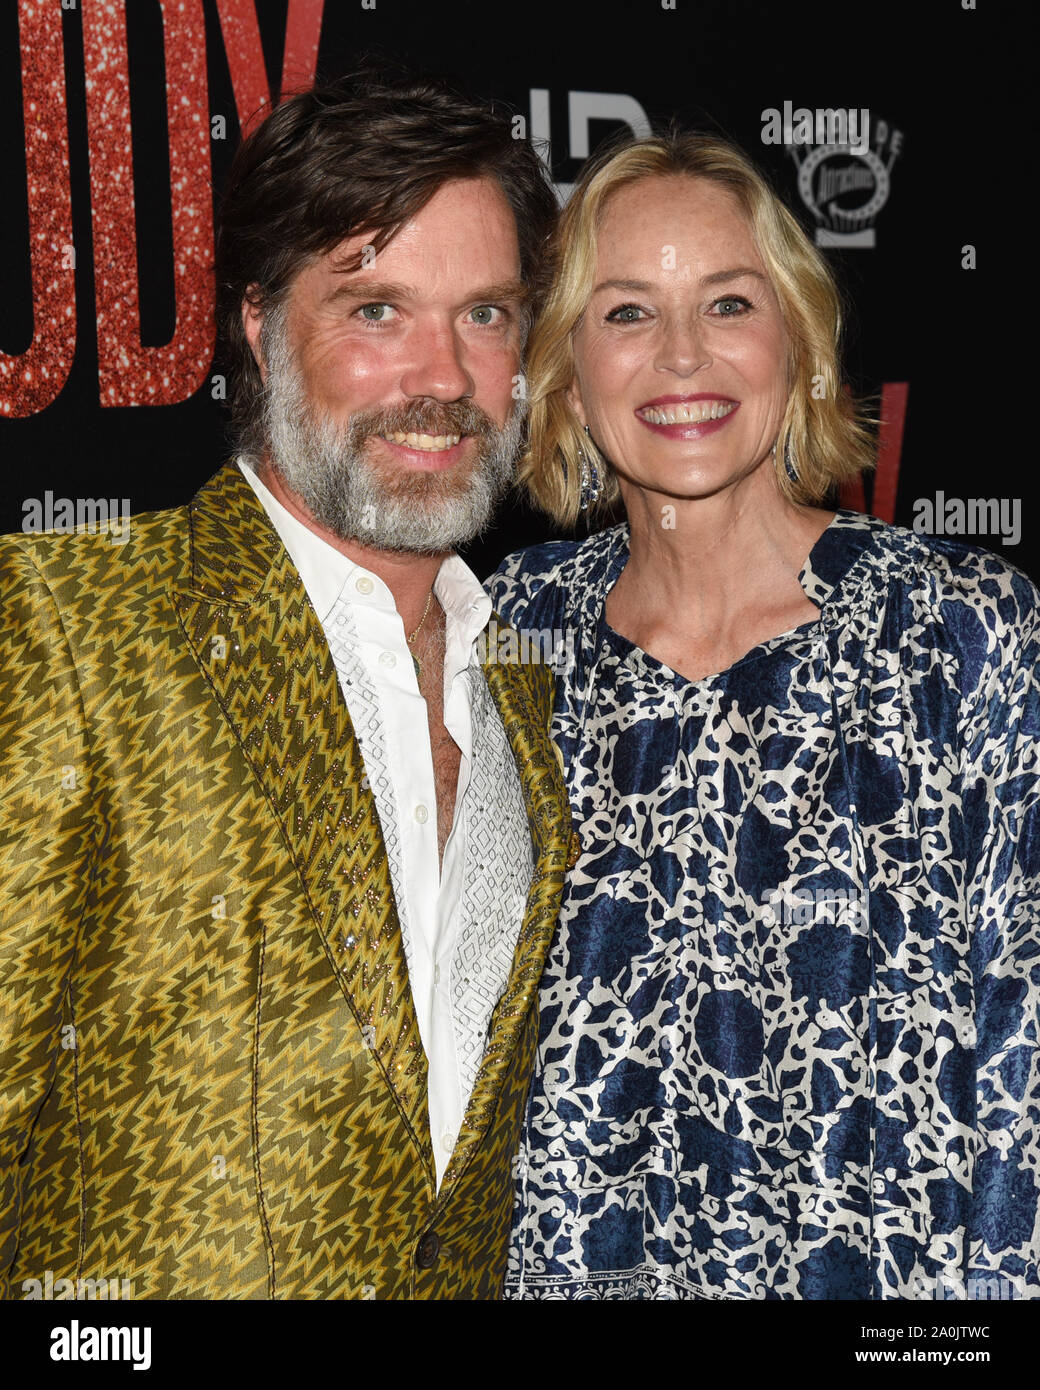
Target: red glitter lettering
(30,381)
(129,373)
(245,55)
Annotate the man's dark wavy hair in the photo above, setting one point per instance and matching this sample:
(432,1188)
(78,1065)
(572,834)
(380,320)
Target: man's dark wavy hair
(360,154)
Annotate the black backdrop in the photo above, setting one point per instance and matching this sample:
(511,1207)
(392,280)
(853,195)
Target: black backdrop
(931,331)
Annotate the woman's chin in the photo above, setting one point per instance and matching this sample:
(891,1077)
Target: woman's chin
(687,484)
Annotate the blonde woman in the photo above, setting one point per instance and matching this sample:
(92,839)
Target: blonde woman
(789,1023)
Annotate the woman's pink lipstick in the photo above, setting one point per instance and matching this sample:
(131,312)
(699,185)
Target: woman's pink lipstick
(699,408)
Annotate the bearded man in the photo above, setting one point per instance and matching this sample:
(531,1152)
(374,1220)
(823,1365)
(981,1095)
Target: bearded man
(280,852)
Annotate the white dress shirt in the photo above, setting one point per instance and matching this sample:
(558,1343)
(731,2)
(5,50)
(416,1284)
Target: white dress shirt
(453,993)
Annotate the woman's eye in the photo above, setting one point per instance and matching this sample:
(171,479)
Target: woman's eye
(625,313)
(374,313)
(732,305)
(485,314)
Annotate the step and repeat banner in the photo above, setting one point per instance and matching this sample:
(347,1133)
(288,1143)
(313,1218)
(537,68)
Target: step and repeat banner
(119,119)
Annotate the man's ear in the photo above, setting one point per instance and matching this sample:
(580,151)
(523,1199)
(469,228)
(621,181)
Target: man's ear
(252,323)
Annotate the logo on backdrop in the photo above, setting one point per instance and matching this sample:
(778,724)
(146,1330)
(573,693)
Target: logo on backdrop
(582,108)
(844,164)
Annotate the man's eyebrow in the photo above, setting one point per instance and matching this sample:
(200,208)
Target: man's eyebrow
(382,291)
(717,277)
(377,290)
(514,290)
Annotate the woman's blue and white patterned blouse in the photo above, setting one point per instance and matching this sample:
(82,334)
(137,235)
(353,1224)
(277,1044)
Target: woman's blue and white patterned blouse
(789,1023)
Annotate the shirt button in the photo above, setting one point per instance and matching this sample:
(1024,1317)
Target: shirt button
(422,815)
(447,1142)
(364,585)
(387,659)
(436,974)
(426,1254)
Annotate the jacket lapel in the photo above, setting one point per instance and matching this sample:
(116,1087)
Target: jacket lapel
(524,701)
(261,648)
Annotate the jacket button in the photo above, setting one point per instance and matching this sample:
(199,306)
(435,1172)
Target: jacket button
(426,1254)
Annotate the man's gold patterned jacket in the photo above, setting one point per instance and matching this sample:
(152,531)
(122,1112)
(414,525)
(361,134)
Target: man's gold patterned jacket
(202,1090)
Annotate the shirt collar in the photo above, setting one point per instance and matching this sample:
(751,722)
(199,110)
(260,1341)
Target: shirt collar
(835,554)
(327,573)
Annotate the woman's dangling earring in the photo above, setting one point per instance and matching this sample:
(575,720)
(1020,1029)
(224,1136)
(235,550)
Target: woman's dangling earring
(792,472)
(591,484)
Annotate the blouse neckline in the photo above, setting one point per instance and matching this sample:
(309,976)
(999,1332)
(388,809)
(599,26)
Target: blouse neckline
(825,566)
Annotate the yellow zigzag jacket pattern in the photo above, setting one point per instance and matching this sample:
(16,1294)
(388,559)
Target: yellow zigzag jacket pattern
(211,1079)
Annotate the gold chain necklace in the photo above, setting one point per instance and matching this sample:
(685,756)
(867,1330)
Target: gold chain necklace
(415,634)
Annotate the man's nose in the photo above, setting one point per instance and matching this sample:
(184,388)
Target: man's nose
(436,367)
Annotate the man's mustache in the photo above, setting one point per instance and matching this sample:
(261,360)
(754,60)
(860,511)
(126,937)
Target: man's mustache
(424,417)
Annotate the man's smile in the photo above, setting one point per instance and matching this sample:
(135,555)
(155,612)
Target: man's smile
(428,442)
(426,453)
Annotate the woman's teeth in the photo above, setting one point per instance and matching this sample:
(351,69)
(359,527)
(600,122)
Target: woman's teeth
(690,413)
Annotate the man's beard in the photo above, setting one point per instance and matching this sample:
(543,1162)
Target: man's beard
(326,465)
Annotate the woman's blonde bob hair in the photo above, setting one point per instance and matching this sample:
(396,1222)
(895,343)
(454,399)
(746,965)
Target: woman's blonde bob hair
(823,435)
